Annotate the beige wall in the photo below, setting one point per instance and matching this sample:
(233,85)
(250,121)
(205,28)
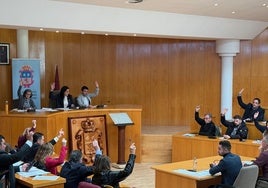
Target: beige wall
(168,77)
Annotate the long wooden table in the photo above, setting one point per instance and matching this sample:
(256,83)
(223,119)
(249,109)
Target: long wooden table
(29,182)
(49,123)
(165,176)
(186,148)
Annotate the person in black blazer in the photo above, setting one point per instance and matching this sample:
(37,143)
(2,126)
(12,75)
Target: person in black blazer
(236,128)
(63,99)
(250,108)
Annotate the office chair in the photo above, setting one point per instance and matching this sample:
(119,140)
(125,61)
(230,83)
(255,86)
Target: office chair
(246,178)
(84,184)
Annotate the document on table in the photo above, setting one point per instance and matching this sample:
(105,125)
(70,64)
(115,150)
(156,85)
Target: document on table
(32,172)
(189,135)
(199,174)
(51,178)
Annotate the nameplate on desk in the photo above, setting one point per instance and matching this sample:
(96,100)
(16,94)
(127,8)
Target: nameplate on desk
(121,119)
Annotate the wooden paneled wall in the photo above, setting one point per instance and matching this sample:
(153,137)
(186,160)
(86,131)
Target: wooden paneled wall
(168,77)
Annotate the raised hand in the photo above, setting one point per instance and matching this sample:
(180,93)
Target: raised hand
(223,112)
(240,92)
(132,148)
(197,108)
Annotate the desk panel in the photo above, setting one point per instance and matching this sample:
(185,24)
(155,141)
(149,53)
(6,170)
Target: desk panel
(186,148)
(13,124)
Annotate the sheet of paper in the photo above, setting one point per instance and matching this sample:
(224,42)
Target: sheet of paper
(32,172)
(18,163)
(199,174)
(189,135)
(51,178)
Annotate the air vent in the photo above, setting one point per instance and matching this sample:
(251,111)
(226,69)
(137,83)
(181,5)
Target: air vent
(135,1)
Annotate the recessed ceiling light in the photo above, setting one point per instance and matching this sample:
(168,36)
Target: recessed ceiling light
(134,34)
(57,31)
(41,29)
(82,33)
(216,4)
(106,34)
(233,12)
(264,5)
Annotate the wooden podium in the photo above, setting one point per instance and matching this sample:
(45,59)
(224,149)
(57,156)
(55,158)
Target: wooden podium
(121,120)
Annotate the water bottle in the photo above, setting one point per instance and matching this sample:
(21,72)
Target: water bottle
(6,107)
(195,164)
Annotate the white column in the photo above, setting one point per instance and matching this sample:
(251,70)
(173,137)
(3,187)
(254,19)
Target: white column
(22,43)
(227,49)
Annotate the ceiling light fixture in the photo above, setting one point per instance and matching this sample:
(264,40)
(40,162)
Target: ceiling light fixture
(135,1)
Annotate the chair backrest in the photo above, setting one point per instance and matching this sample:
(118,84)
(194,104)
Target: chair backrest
(247,177)
(84,184)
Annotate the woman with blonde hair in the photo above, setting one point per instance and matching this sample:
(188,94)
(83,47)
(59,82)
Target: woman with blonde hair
(44,157)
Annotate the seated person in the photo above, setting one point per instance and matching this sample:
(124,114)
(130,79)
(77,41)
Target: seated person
(75,171)
(8,159)
(23,138)
(63,99)
(84,99)
(261,161)
(103,175)
(44,160)
(207,126)
(229,165)
(258,126)
(38,140)
(250,108)
(25,100)
(235,129)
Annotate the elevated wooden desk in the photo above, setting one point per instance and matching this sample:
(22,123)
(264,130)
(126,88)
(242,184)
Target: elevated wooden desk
(165,176)
(186,148)
(29,182)
(49,123)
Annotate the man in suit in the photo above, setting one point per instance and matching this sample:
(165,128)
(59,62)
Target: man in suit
(229,165)
(250,108)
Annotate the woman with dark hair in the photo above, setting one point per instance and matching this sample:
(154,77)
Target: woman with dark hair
(25,100)
(103,174)
(63,98)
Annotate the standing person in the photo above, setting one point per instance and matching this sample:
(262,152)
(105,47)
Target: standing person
(25,100)
(103,175)
(207,126)
(229,165)
(235,129)
(63,98)
(75,171)
(44,160)
(84,99)
(250,108)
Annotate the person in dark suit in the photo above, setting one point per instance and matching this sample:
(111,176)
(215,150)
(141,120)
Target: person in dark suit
(229,165)
(63,99)
(38,140)
(7,159)
(75,171)
(235,129)
(207,126)
(250,108)
(262,128)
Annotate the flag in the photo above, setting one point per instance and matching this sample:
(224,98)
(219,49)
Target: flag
(57,80)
